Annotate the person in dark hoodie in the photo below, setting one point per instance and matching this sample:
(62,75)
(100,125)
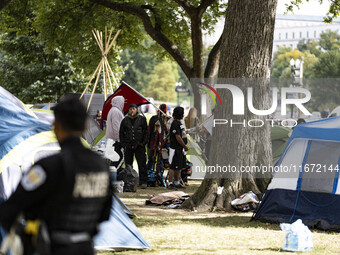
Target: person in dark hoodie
(133,135)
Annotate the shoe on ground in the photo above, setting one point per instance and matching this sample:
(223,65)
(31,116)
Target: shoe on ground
(171,186)
(179,186)
(144,186)
(186,184)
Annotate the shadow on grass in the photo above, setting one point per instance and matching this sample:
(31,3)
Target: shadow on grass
(266,249)
(146,193)
(219,221)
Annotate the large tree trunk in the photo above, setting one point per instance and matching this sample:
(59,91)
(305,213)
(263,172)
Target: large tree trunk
(245,53)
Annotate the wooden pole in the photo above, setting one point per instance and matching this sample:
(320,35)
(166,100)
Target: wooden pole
(114,78)
(113,40)
(105,36)
(146,99)
(95,84)
(96,36)
(108,75)
(87,86)
(99,41)
(105,44)
(104,80)
(109,39)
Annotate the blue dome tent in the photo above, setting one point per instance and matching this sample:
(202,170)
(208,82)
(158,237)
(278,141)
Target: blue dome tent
(305,185)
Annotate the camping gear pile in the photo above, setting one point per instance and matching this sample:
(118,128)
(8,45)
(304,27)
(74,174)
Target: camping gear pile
(155,174)
(172,199)
(246,202)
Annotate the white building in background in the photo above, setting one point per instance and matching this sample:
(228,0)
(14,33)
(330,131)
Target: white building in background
(289,30)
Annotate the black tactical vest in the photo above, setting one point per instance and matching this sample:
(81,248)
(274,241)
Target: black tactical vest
(84,189)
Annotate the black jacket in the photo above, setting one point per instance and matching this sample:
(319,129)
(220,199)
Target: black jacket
(70,191)
(133,131)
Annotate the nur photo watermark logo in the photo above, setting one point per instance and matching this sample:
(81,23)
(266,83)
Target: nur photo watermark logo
(281,100)
(205,88)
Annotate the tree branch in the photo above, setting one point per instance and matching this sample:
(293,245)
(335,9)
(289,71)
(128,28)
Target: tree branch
(211,69)
(4,3)
(158,23)
(204,5)
(187,6)
(191,9)
(158,36)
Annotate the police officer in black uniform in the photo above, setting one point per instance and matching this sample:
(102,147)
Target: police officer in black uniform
(70,191)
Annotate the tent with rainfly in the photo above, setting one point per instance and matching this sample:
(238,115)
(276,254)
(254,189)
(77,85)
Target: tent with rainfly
(24,139)
(305,185)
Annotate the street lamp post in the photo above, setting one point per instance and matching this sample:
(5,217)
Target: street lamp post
(296,67)
(178,90)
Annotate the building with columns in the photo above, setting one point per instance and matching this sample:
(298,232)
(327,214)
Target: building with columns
(289,30)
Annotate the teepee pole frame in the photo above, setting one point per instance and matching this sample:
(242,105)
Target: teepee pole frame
(105,44)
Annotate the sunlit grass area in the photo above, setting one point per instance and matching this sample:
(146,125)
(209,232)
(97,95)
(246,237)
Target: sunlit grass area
(177,231)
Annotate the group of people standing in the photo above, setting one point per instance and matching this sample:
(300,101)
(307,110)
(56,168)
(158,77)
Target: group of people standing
(70,192)
(134,135)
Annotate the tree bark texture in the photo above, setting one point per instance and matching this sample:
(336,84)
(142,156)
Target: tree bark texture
(245,54)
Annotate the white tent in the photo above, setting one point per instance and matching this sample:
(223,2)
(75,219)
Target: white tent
(335,112)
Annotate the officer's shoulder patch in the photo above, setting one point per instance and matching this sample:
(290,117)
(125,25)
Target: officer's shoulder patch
(34,178)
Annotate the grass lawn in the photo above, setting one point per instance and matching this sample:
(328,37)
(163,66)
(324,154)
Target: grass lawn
(176,231)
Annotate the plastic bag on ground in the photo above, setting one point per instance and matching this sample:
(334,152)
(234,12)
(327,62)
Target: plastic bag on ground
(298,237)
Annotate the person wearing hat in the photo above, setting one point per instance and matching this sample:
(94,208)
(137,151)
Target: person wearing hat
(133,135)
